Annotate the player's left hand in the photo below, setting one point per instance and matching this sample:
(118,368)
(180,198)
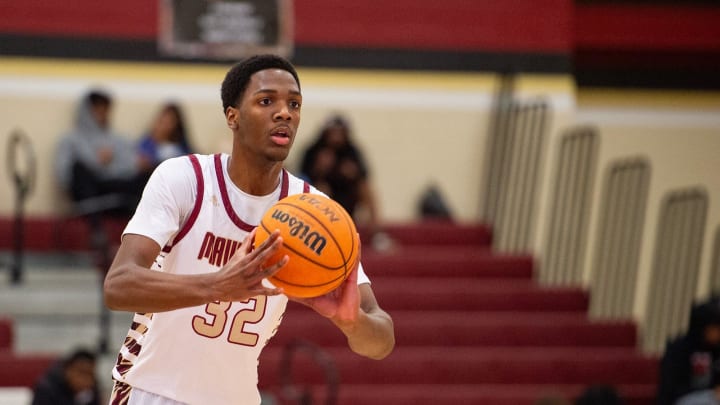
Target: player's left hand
(340,305)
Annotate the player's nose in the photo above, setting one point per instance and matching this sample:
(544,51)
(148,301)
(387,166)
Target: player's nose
(283,114)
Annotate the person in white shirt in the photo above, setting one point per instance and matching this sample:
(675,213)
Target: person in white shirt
(187,267)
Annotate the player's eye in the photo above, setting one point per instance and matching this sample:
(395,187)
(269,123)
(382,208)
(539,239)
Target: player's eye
(265,101)
(295,104)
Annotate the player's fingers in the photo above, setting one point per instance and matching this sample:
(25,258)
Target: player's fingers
(356,265)
(264,253)
(270,240)
(267,270)
(352,277)
(244,250)
(270,291)
(250,263)
(268,244)
(275,267)
(247,243)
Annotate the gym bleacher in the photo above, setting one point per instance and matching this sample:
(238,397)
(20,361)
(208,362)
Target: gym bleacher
(575,141)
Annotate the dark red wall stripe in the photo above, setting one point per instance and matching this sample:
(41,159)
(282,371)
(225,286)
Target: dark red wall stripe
(488,25)
(652,28)
(509,25)
(127,19)
(467,25)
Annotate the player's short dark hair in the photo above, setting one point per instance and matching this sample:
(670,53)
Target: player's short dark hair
(238,77)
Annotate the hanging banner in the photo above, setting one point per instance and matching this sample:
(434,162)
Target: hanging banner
(227,29)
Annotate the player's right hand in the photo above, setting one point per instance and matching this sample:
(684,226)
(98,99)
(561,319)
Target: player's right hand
(242,276)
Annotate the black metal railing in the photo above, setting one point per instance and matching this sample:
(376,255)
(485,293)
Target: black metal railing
(22,169)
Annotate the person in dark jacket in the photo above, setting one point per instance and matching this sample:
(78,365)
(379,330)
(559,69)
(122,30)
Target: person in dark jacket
(70,381)
(691,362)
(337,167)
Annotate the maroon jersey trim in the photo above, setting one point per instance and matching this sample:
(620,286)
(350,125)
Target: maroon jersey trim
(306,187)
(196,208)
(285,184)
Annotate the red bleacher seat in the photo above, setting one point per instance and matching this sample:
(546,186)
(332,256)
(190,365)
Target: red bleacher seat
(22,370)
(471,327)
(6,334)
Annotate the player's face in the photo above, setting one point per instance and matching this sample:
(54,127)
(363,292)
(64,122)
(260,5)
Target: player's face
(267,117)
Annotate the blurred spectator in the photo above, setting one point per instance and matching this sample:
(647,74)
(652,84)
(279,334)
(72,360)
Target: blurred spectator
(336,166)
(166,138)
(599,395)
(432,205)
(71,381)
(92,161)
(691,363)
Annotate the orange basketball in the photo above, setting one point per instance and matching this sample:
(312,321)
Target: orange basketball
(320,239)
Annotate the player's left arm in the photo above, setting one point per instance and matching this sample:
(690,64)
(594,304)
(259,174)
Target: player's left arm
(355,311)
(371,333)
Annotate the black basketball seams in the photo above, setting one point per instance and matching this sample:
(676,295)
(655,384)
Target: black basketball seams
(312,220)
(344,258)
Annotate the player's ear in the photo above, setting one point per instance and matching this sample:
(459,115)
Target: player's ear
(231,115)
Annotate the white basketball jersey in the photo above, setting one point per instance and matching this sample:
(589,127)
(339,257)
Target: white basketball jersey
(206,354)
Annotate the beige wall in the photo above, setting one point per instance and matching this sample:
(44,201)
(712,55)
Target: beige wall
(678,133)
(415,128)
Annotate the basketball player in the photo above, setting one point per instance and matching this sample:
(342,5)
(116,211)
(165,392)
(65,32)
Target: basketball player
(187,268)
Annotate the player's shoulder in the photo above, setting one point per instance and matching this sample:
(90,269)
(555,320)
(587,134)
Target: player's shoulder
(185,163)
(181,171)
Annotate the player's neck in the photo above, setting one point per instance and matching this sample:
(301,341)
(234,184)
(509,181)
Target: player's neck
(252,176)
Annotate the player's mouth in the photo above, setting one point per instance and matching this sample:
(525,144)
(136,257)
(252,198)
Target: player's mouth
(281,136)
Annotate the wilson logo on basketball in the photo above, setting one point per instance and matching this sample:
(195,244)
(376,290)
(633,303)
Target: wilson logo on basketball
(300,230)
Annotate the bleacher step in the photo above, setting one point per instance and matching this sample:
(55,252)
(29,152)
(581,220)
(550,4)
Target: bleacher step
(454,262)
(470,328)
(474,294)
(434,233)
(485,394)
(479,365)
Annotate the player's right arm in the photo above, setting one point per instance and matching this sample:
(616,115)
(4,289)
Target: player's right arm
(130,285)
